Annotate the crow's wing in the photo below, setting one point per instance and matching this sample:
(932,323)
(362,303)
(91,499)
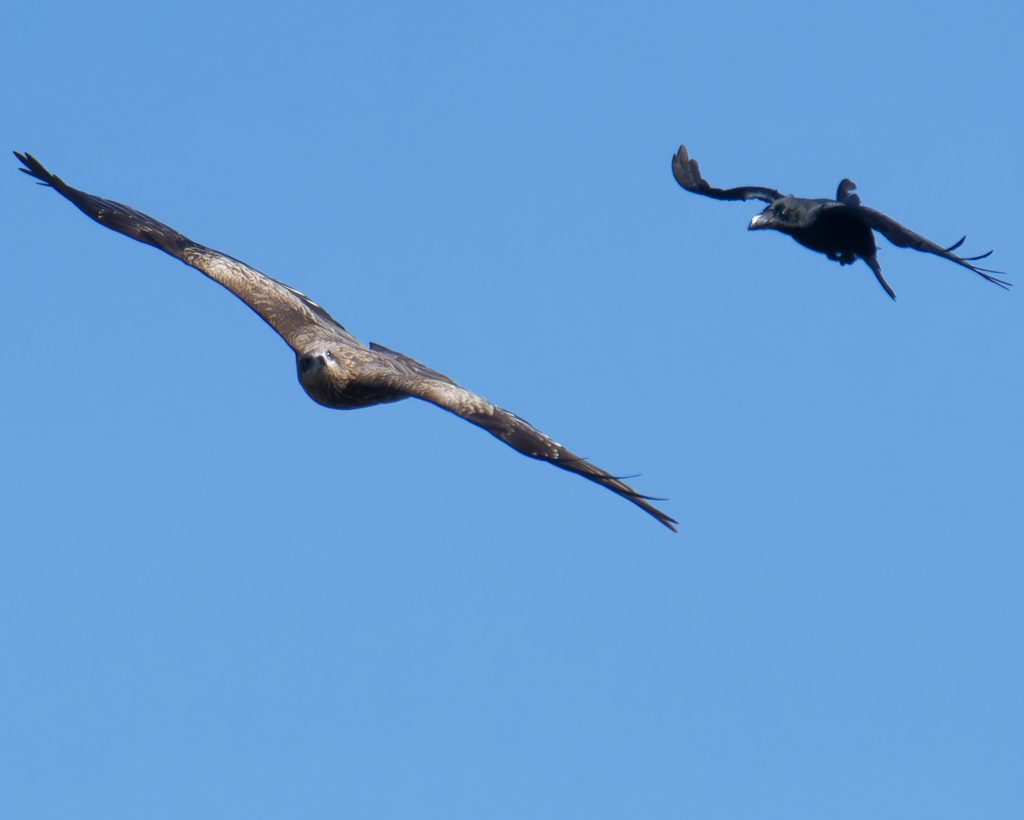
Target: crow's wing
(845,194)
(283,308)
(903,237)
(687,174)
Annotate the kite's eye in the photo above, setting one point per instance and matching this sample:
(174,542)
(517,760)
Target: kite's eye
(784,213)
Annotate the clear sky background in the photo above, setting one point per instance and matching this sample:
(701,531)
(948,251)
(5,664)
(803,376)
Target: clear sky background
(218,599)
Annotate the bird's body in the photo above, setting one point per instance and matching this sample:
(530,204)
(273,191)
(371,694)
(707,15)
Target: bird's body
(334,368)
(842,229)
(824,228)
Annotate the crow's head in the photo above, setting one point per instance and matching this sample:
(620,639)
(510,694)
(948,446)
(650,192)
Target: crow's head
(786,214)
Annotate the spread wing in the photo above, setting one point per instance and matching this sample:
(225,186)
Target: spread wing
(283,308)
(845,194)
(905,238)
(687,174)
(292,315)
(411,378)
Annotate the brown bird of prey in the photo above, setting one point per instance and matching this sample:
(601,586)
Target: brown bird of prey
(336,369)
(840,228)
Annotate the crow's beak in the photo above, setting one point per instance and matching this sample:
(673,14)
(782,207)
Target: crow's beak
(762,220)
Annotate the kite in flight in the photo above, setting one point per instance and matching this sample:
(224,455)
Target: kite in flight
(840,228)
(336,369)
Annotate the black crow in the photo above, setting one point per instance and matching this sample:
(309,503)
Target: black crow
(840,228)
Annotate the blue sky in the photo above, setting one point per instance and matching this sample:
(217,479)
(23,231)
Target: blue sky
(218,599)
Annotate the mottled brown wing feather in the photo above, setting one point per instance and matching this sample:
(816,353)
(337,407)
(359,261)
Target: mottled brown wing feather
(283,308)
(517,433)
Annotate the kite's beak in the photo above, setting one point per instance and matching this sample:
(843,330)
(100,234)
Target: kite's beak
(762,220)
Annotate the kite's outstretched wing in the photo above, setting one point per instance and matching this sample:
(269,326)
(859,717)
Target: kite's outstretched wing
(283,308)
(418,381)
